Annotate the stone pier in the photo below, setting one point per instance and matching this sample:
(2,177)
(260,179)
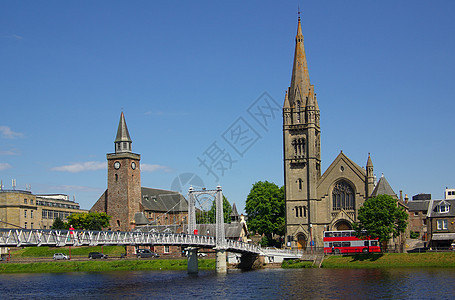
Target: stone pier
(221,265)
(192,267)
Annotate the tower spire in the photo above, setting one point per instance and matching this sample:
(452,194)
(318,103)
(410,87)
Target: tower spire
(122,141)
(300,79)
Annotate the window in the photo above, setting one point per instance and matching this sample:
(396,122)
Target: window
(374,243)
(346,244)
(25,213)
(300,211)
(25,201)
(442,224)
(299,146)
(342,196)
(31,225)
(31,201)
(166,249)
(416,214)
(442,208)
(31,214)
(25,225)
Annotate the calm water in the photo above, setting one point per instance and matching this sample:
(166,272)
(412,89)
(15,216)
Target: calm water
(263,284)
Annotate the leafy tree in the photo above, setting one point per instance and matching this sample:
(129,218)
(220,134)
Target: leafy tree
(209,217)
(227,210)
(265,209)
(58,224)
(89,221)
(381,217)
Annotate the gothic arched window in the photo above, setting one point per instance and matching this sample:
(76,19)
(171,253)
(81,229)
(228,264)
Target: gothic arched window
(298,111)
(342,196)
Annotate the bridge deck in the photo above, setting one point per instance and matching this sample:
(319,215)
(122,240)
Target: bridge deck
(61,238)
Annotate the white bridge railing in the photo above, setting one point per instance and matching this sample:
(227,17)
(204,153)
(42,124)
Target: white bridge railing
(60,238)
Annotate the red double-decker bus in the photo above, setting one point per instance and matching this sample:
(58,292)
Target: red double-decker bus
(346,242)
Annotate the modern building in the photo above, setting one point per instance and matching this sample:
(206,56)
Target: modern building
(316,202)
(22,209)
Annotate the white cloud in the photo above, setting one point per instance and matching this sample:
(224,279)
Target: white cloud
(80,167)
(13,37)
(7,133)
(153,168)
(74,188)
(9,152)
(4,166)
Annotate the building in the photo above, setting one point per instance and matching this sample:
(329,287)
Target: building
(441,223)
(417,220)
(316,202)
(22,209)
(126,201)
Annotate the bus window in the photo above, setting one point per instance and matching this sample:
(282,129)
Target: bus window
(374,243)
(346,244)
(365,243)
(337,244)
(328,234)
(337,234)
(330,245)
(346,234)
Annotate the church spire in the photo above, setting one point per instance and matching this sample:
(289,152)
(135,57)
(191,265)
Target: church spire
(300,80)
(122,141)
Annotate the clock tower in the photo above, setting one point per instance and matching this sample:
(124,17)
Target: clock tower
(123,181)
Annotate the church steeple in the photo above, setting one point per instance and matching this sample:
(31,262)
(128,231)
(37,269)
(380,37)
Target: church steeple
(300,79)
(369,177)
(122,141)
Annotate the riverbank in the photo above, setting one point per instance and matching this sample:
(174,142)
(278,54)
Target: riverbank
(104,266)
(391,260)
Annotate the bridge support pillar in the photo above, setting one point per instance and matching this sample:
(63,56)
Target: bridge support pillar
(221,266)
(193,267)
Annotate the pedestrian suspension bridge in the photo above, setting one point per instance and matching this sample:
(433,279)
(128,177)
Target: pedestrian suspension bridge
(192,242)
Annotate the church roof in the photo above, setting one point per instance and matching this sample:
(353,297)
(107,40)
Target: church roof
(163,200)
(122,132)
(353,166)
(383,188)
(234,212)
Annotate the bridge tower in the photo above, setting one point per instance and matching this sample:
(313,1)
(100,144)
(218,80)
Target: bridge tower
(221,266)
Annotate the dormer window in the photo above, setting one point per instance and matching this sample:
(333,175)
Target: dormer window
(443,208)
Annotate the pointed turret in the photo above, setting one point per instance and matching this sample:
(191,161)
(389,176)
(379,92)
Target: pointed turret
(122,141)
(369,176)
(300,77)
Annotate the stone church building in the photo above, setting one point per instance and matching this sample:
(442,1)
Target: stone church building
(130,204)
(315,202)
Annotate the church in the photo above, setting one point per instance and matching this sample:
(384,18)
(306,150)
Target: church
(316,202)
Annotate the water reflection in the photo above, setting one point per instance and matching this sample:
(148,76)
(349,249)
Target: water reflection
(269,284)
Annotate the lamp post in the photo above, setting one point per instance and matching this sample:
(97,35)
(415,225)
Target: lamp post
(311,237)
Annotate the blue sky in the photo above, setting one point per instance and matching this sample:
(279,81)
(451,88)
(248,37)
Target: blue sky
(186,73)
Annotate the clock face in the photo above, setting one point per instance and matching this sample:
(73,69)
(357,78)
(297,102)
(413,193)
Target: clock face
(117,165)
(133,165)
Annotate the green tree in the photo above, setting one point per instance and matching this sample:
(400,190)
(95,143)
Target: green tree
(89,221)
(381,217)
(227,210)
(58,224)
(209,217)
(265,209)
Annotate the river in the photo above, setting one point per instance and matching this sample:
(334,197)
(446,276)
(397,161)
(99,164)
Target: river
(434,283)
